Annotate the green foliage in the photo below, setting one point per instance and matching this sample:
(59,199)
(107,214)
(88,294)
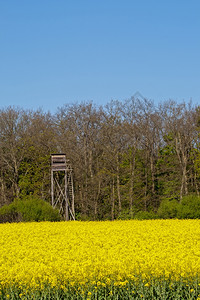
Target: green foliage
(8,213)
(168,173)
(34,174)
(82,217)
(168,209)
(125,214)
(138,215)
(189,207)
(145,215)
(28,209)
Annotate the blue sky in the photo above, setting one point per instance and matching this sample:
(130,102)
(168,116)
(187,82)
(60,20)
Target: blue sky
(66,51)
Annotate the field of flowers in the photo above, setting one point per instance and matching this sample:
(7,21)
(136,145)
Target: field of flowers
(151,259)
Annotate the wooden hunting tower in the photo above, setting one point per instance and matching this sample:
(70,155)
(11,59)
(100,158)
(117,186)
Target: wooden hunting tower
(62,191)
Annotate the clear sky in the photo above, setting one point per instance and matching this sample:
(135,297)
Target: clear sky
(66,51)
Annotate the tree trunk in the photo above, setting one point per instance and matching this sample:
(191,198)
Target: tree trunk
(118,187)
(113,199)
(183,164)
(132,174)
(96,200)
(152,174)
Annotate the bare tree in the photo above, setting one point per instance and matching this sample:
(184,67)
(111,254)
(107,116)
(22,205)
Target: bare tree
(78,128)
(180,123)
(13,127)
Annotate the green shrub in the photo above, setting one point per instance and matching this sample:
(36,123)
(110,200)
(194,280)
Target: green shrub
(124,215)
(28,209)
(189,207)
(8,213)
(145,215)
(168,209)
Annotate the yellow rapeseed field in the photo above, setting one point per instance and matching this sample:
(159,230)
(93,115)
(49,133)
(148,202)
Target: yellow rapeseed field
(70,252)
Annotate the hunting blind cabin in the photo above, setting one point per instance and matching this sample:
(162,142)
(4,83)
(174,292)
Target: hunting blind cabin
(62,191)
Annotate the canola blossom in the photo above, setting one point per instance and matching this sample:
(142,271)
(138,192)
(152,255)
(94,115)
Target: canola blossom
(35,254)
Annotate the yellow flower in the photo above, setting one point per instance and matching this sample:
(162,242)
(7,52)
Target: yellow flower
(102,253)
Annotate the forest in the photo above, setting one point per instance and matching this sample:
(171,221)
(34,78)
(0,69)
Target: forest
(130,158)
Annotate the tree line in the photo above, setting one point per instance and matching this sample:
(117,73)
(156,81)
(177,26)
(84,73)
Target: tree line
(127,156)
